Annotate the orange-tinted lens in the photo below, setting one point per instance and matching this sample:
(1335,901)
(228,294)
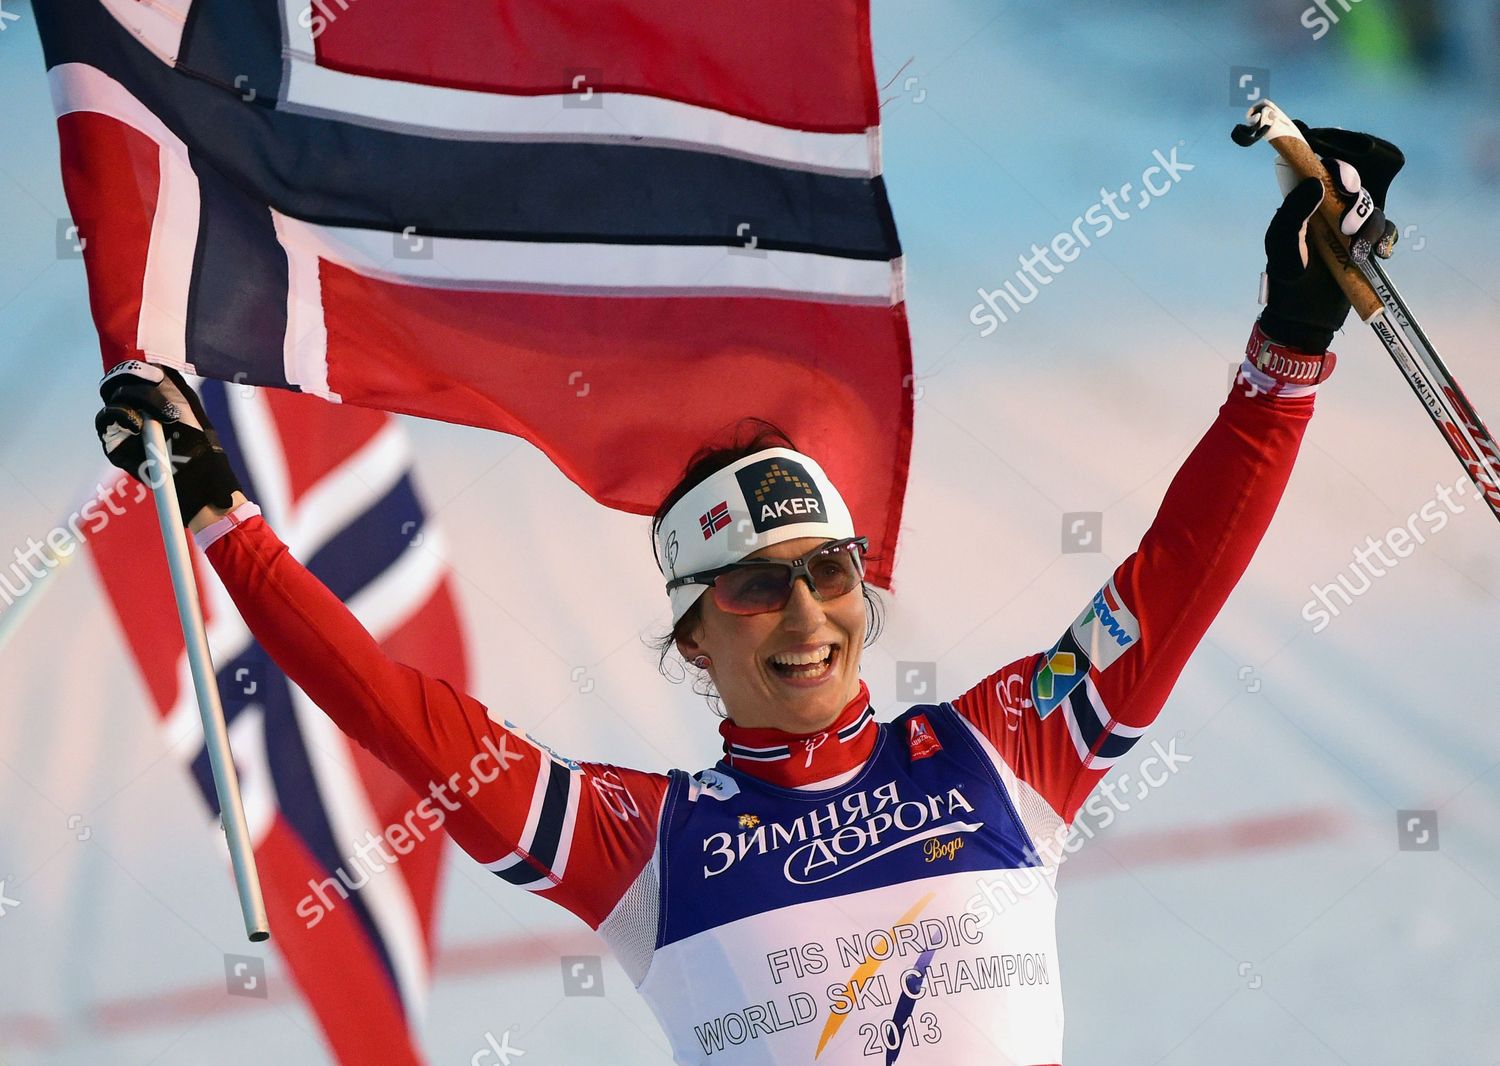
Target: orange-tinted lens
(753,589)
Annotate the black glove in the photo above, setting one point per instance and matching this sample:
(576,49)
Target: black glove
(1304,304)
(135,391)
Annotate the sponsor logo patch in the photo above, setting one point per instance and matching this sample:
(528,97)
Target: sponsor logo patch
(714,785)
(920,738)
(844,834)
(1106,628)
(936,849)
(561,760)
(780,492)
(1058,676)
(615,794)
(1101,634)
(672,552)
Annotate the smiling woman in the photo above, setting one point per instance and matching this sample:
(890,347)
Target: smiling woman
(811,896)
(757,639)
(727,893)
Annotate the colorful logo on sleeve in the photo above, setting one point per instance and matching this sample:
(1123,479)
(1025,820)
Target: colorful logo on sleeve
(1101,634)
(780,492)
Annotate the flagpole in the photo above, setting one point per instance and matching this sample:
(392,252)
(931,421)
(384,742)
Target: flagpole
(210,710)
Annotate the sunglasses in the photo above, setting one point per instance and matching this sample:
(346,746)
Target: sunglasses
(756,586)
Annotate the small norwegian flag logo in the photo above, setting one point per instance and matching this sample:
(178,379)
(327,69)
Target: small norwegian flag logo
(716,519)
(921,739)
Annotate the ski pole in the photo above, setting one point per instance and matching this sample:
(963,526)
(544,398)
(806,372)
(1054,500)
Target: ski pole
(1467,435)
(1380,307)
(205,684)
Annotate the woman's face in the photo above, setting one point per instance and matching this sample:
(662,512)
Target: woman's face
(756,692)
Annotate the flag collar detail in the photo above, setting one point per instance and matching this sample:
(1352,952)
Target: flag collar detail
(792,760)
(763,499)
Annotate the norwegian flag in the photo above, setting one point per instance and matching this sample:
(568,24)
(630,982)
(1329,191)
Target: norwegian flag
(613,227)
(715,520)
(336,485)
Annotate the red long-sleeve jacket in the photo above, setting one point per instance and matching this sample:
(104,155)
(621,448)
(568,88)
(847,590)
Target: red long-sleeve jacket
(589,835)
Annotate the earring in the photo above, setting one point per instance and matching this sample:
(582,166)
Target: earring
(702,662)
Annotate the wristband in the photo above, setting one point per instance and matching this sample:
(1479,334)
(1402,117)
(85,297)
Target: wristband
(1280,370)
(237,517)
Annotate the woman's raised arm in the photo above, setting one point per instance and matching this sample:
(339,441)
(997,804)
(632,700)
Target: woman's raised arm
(579,833)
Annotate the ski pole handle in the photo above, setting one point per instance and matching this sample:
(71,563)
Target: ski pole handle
(1268,121)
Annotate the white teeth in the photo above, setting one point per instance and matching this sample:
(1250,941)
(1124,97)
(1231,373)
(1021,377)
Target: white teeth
(804,658)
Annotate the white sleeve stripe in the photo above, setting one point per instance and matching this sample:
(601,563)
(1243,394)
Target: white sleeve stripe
(1111,741)
(1119,729)
(538,795)
(1071,718)
(570,819)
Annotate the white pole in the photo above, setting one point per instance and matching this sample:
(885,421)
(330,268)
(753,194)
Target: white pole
(215,734)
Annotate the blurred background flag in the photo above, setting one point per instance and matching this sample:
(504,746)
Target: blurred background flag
(352,919)
(613,235)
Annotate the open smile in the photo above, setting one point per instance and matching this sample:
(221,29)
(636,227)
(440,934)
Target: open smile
(805,668)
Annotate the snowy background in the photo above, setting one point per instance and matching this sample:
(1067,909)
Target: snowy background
(1255,908)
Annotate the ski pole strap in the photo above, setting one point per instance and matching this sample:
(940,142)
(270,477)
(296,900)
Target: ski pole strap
(1290,371)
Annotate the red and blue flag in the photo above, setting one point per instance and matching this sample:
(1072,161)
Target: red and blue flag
(354,930)
(714,520)
(614,228)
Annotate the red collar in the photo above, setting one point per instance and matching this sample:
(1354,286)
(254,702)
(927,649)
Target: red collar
(794,759)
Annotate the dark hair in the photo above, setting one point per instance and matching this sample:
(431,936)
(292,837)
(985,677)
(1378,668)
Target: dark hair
(748,436)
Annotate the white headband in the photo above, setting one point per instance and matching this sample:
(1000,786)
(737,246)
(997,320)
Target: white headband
(763,499)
